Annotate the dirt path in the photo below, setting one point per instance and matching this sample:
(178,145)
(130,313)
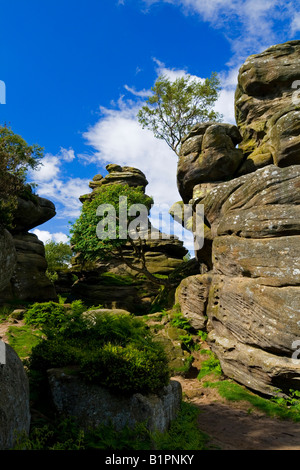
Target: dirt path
(232,427)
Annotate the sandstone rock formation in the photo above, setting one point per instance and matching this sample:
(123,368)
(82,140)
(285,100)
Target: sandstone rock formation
(267,105)
(8,258)
(14,400)
(23,254)
(93,405)
(127,289)
(251,294)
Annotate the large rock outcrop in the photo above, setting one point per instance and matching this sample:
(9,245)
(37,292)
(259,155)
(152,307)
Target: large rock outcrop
(14,399)
(125,288)
(251,295)
(23,256)
(267,111)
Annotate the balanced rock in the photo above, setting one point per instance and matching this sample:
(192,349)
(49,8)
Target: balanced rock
(116,175)
(23,257)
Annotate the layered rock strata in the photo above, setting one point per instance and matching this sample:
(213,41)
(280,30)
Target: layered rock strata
(250,297)
(24,264)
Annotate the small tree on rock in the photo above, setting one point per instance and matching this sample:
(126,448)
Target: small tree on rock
(107,210)
(176,106)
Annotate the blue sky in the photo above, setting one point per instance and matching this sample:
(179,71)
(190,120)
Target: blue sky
(77,72)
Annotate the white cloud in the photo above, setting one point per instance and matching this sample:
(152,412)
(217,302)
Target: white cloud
(48,170)
(67,155)
(46,236)
(225,102)
(250,25)
(118,138)
(52,183)
(142,93)
(295,26)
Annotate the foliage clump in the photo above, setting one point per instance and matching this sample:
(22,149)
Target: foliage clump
(58,257)
(109,349)
(84,239)
(174,107)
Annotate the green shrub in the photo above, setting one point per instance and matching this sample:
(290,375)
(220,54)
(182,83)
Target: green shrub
(127,369)
(180,322)
(210,366)
(49,314)
(114,350)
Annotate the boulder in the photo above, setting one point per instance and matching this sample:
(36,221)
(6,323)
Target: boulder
(192,296)
(116,175)
(254,297)
(32,212)
(14,399)
(29,281)
(93,405)
(207,154)
(267,111)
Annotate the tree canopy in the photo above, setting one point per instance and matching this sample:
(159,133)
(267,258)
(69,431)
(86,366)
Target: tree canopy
(58,255)
(176,106)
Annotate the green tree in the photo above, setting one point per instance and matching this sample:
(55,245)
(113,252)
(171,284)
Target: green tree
(58,255)
(176,106)
(116,241)
(16,158)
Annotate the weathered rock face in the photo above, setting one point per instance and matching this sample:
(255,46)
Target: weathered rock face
(192,295)
(207,154)
(252,300)
(14,400)
(267,111)
(116,175)
(93,405)
(162,255)
(24,255)
(8,258)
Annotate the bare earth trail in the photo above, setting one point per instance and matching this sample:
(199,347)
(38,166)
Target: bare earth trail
(230,425)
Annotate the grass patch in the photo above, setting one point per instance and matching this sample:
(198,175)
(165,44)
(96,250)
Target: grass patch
(209,366)
(23,338)
(274,407)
